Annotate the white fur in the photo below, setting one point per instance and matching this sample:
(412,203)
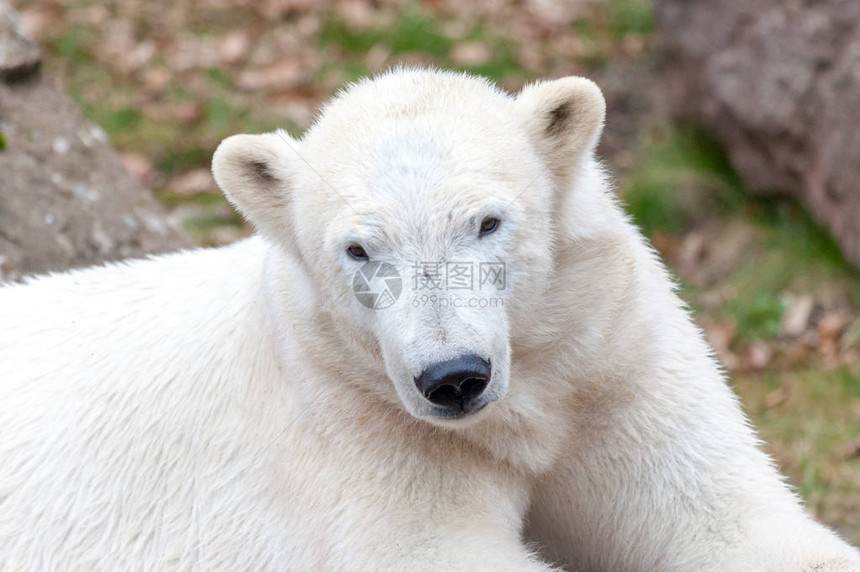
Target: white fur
(238,409)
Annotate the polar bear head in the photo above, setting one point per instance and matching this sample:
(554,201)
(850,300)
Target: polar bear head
(423,208)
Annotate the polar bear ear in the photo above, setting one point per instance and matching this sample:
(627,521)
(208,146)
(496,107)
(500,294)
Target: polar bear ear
(255,172)
(564,119)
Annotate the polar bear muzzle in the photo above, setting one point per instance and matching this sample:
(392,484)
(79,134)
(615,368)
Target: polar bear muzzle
(455,384)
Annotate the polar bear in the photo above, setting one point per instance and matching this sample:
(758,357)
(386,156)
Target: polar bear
(256,407)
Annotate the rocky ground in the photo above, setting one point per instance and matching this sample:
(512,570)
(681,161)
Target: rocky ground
(168,81)
(66,199)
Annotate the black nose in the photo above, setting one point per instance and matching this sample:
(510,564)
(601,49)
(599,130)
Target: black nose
(454,382)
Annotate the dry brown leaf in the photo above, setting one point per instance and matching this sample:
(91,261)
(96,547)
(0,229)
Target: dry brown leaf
(234,47)
(756,356)
(721,334)
(775,398)
(192,182)
(185,112)
(668,245)
(139,166)
(797,317)
(471,53)
(828,329)
(285,74)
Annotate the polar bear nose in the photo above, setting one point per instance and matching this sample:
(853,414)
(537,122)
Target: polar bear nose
(455,382)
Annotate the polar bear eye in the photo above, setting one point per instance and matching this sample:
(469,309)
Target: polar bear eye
(489,225)
(357,252)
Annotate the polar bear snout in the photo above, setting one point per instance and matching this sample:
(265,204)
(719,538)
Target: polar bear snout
(455,383)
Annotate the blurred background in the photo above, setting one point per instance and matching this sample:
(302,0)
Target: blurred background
(730,132)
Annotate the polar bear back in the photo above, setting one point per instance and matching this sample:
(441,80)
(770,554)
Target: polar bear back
(117,428)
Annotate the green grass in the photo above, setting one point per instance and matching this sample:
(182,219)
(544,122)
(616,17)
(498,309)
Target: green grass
(654,207)
(794,254)
(682,176)
(629,17)
(852,335)
(219,114)
(74,45)
(175,147)
(417,33)
(758,317)
(177,160)
(596,52)
(414,32)
(2,142)
(503,63)
(850,381)
(219,78)
(684,181)
(198,226)
(121,120)
(602,29)
(355,70)
(811,434)
(793,229)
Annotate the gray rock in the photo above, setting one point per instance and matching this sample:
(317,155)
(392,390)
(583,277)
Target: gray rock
(778,83)
(19,55)
(66,199)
